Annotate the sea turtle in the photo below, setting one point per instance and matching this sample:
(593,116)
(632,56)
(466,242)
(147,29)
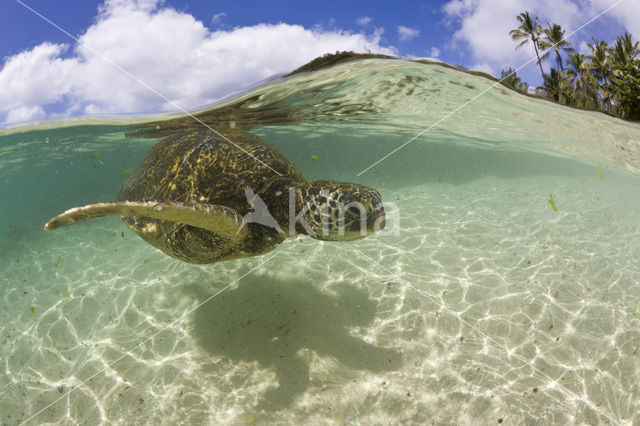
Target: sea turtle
(202,197)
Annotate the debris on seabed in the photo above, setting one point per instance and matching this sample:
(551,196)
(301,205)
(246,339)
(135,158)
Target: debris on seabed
(553,203)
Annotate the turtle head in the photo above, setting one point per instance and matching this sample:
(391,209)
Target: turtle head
(337,211)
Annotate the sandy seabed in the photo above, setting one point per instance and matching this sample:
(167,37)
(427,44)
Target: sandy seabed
(479,303)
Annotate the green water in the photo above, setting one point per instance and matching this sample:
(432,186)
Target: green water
(480,301)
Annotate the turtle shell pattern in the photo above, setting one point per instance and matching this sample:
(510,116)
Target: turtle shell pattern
(201,166)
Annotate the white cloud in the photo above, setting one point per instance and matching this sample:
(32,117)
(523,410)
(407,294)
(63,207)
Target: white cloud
(217,18)
(484,67)
(407,33)
(484,25)
(25,82)
(364,20)
(626,13)
(169,50)
(435,52)
(584,48)
(24,113)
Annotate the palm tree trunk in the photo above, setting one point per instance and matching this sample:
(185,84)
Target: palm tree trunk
(535,46)
(559,64)
(606,87)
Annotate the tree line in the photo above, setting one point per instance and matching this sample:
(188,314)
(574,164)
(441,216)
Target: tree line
(606,79)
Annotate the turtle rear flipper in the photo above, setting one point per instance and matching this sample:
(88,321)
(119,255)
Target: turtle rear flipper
(219,219)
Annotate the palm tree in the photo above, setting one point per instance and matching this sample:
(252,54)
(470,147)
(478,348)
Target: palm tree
(626,87)
(510,78)
(623,55)
(556,82)
(583,81)
(601,65)
(624,50)
(554,39)
(600,59)
(528,31)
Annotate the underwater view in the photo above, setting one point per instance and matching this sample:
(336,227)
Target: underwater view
(504,288)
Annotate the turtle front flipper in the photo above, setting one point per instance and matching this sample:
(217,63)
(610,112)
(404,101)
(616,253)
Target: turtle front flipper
(219,219)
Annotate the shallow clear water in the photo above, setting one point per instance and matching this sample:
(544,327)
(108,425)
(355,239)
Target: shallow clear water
(478,302)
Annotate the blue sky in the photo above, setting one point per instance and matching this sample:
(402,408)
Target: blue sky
(196,51)
(23,29)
